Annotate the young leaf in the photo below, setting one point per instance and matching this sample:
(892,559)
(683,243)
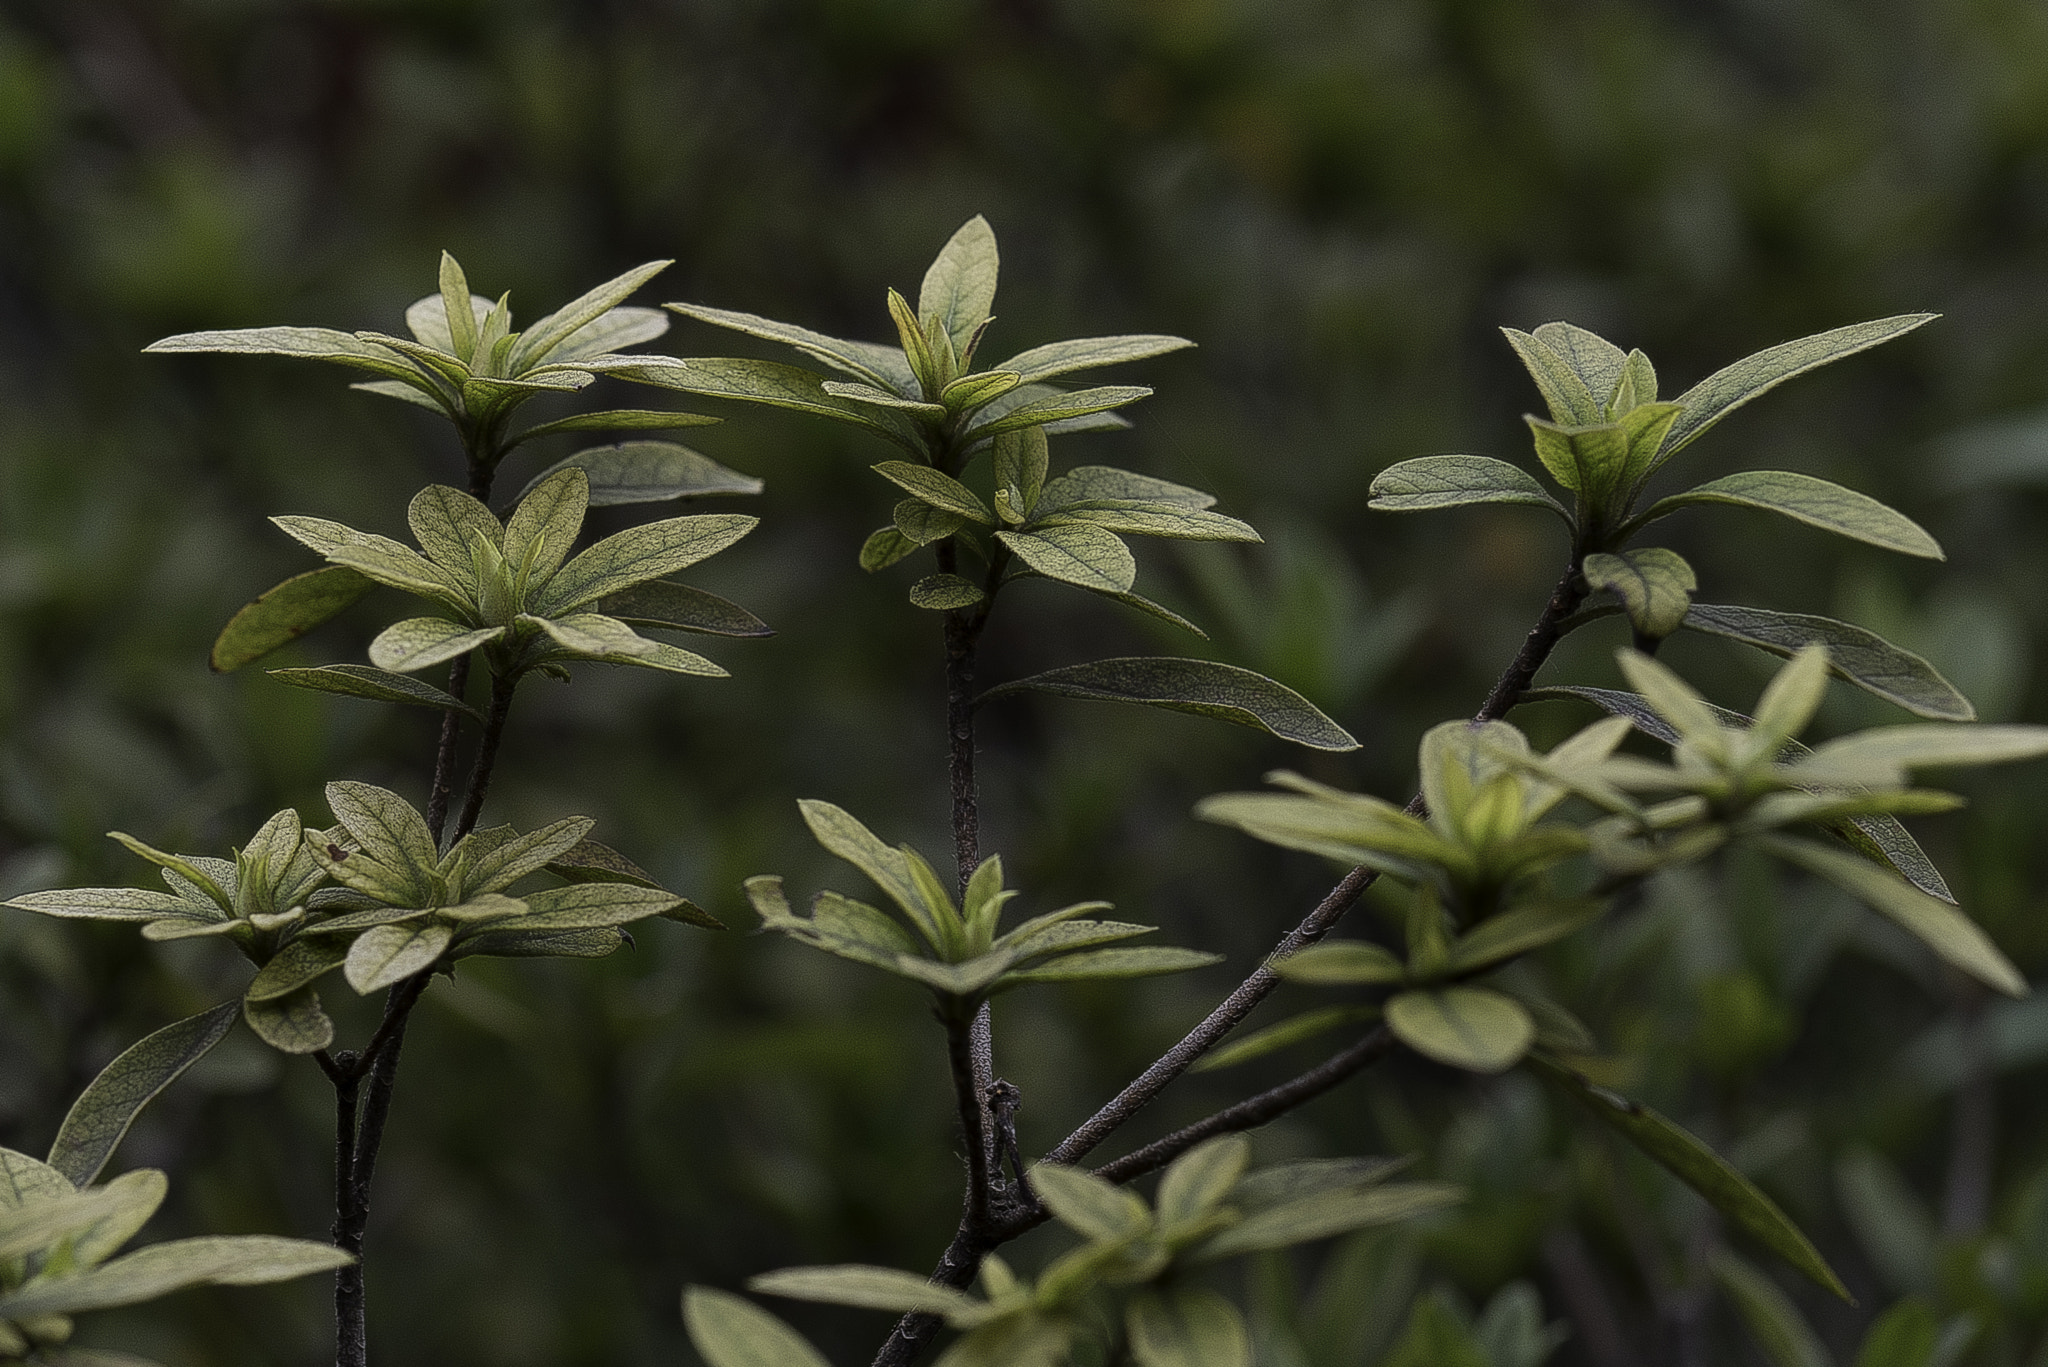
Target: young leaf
(661,603)
(1944,929)
(882,398)
(1571,403)
(1055,408)
(1591,461)
(944,592)
(285,613)
(103,1112)
(730,1332)
(940,490)
(1862,657)
(1700,1168)
(1596,361)
(1090,1206)
(1341,963)
(384,955)
(1816,502)
(1202,687)
(378,685)
(1054,359)
(544,526)
(1654,585)
(775,384)
(649,472)
(1453,481)
(870,1288)
(562,325)
(960,287)
(1090,557)
(245,1260)
(842,834)
(448,523)
(638,554)
(1521,930)
(383,823)
(1466,1027)
(1020,459)
(1721,393)
(886,370)
(1200,1179)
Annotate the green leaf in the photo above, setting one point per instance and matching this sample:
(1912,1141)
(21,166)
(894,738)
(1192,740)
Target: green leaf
(1053,359)
(1323,1214)
(23,1179)
(650,472)
(596,343)
(511,860)
(589,906)
(544,526)
(1200,1179)
(1654,585)
(1721,393)
(212,878)
(383,955)
(1816,502)
(378,685)
(100,1117)
(1087,486)
(1089,557)
(1114,963)
(458,317)
(1862,657)
(1596,361)
(1153,519)
(1773,1321)
(417,391)
(448,523)
(870,1288)
(1466,1027)
(960,286)
(1944,929)
(1521,930)
(1571,403)
(661,603)
(730,1332)
(93,1222)
(1151,609)
(1700,1168)
(593,636)
(882,398)
(1188,1328)
(302,962)
(842,834)
(859,359)
(970,392)
(292,1024)
(939,490)
(313,344)
(1884,754)
(1306,1026)
(1453,481)
(1341,963)
(107,904)
(285,613)
(637,555)
(944,592)
(1055,408)
(1092,1207)
(921,523)
(1202,687)
(247,1260)
(587,861)
(386,826)
(671,660)
(1592,461)
(779,386)
(564,323)
(614,420)
(1907,1335)
(1020,459)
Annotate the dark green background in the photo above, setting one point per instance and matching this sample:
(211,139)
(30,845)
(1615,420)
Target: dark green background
(1340,203)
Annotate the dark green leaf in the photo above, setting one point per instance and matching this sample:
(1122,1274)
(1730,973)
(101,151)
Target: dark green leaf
(1700,1168)
(1090,557)
(378,685)
(1452,481)
(1202,687)
(650,472)
(1056,407)
(660,603)
(1773,1321)
(292,1024)
(285,613)
(103,1112)
(1862,657)
(1816,502)
(884,547)
(944,592)
(1654,585)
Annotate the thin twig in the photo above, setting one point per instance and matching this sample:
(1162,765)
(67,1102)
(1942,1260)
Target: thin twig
(443,786)
(487,752)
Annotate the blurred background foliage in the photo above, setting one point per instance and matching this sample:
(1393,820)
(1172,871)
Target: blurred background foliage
(1340,202)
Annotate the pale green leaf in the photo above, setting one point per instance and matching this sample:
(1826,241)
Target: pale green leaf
(960,287)
(1816,502)
(613,420)
(107,904)
(1571,403)
(589,906)
(881,366)
(1114,963)
(861,393)
(418,391)
(1055,408)
(842,834)
(870,1288)
(1654,585)
(1323,1214)
(921,524)
(671,660)
(102,1114)
(1596,361)
(1092,1207)
(314,344)
(1088,485)
(1341,963)
(1885,754)
(1465,1027)
(1453,481)
(637,555)
(730,1332)
(1053,359)
(293,1024)
(1200,1179)
(1152,519)
(1188,1328)
(941,491)
(378,685)
(285,613)
(402,568)
(214,879)
(24,1179)
(1593,460)
(1020,459)
(448,523)
(1202,687)
(304,961)
(597,340)
(1862,657)
(944,593)
(247,1260)
(94,1222)
(593,636)
(564,323)
(970,392)
(1700,1168)
(1090,557)
(386,826)
(652,472)
(511,860)
(544,526)
(1520,930)
(780,386)
(1721,393)
(384,955)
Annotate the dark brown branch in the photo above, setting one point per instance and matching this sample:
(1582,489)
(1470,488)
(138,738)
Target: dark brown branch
(443,786)
(351,1345)
(502,686)
(973,1112)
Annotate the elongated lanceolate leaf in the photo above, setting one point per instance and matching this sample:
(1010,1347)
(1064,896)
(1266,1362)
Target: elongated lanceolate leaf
(616,420)
(1090,557)
(378,685)
(1862,657)
(564,323)
(859,359)
(650,472)
(1322,1214)
(313,344)
(1943,928)
(1700,1168)
(1878,838)
(1147,962)
(1306,1026)
(1654,585)
(1773,1320)
(1153,519)
(108,904)
(775,384)
(1057,408)
(940,490)
(871,1288)
(103,1112)
(1453,481)
(1202,687)
(730,1332)
(1340,963)
(247,1260)
(1466,1027)
(960,287)
(1085,353)
(1721,393)
(660,603)
(285,613)
(1816,502)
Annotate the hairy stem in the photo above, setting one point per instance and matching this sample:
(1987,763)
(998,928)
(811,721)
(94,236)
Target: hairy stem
(957,1267)
(967,1094)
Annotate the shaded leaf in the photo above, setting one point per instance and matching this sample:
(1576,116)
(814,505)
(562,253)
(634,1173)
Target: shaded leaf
(1862,657)
(871,1288)
(1152,519)
(1325,1213)
(944,592)
(1055,408)
(1086,485)
(1773,1321)
(1654,585)
(298,964)
(1453,481)
(1095,1209)
(614,420)
(102,1114)
(730,1332)
(285,613)
(1816,502)
(1089,557)
(245,1260)
(1202,687)
(649,472)
(1114,963)
(1200,1180)
(1306,1026)
(292,1024)
(661,603)
(378,685)
(1191,1328)
(1466,1027)
(769,382)
(1341,963)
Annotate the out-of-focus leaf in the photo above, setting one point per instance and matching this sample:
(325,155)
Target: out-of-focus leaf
(378,685)
(1322,1214)
(245,1260)
(1187,1328)
(24,1179)
(1306,1026)
(730,1332)
(1816,502)
(650,472)
(871,1288)
(1700,1168)
(1466,1027)
(1097,1210)
(1202,687)
(285,613)
(1341,963)
(1773,1321)
(1862,657)
(1200,1179)
(1520,930)
(1453,481)
(103,1112)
